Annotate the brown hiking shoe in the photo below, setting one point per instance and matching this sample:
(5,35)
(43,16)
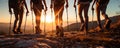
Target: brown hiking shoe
(107,24)
(38,30)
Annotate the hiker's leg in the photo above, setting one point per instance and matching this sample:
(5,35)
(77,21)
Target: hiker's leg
(56,12)
(37,20)
(37,13)
(98,15)
(86,16)
(37,16)
(80,8)
(16,19)
(37,27)
(60,16)
(57,20)
(61,22)
(20,19)
(103,10)
(107,20)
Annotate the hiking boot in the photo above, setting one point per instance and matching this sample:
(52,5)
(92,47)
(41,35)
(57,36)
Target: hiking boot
(57,30)
(19,31)
(107,24)
(61,32)
(38,30)
(15,32)
(82,27)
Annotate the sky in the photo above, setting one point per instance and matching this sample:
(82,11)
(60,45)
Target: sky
(5,16)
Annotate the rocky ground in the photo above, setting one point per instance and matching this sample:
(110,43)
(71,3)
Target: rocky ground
(72,39)
(109,39)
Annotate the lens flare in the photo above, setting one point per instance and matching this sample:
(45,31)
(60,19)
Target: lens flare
(49,19)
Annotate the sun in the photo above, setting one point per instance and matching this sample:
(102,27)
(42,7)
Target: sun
(49,19)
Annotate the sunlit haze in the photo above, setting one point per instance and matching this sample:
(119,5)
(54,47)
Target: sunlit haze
(48,19)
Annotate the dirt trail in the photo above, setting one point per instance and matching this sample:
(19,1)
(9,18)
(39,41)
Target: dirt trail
(73,39)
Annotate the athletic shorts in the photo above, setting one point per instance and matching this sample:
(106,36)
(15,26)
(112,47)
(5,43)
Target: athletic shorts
(37,10)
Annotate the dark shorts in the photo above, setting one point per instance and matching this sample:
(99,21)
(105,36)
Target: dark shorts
(37,10)
(58,8)
(18,11)
(102,6)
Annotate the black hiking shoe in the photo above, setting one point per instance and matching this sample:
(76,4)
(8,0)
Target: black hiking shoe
(82,27)
(57,30)
(107,24)
(15,32)
(19,31)
(38,30)
(61,32)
